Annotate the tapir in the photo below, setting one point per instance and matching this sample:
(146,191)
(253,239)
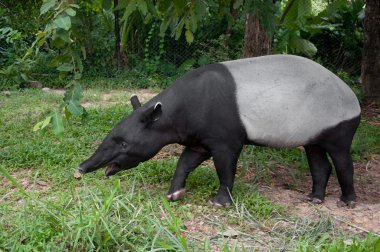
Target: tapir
(214,110)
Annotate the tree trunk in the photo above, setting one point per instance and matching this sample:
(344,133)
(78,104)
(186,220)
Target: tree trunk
(256,40)
(234,14)
(117,36)
(370,72)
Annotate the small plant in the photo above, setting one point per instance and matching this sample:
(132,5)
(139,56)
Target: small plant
(69,107)
(175,239)
(152,59)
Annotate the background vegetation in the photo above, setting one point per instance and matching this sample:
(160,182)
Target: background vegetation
(165,38)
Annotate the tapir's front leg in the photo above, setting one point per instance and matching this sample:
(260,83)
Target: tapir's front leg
(225,160)
(190,158)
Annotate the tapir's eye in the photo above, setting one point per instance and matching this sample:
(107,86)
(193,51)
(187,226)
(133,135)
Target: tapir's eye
(124,144)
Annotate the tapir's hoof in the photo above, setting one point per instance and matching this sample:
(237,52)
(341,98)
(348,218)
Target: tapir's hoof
(216,204)
(176,195)
(349,204)
(312,199)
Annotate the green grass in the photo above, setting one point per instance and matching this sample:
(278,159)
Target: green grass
(127,211)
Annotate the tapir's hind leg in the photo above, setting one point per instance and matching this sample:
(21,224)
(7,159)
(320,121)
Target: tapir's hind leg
(337,143)
(320,169)
(345,173)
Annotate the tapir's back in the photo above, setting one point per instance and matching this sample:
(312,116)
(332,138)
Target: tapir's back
(286,100)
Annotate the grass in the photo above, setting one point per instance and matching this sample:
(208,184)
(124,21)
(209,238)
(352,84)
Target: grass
(51,210)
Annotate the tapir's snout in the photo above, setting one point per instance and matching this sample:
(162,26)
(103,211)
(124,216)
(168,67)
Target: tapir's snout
(81,169)
(85,167)
(91,164)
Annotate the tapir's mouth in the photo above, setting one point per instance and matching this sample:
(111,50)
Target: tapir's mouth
(112,169)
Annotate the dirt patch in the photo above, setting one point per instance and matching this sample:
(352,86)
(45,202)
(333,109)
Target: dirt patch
(288,187)
(108,99)
(372,112)
(53,91)
(169,151)
(26,180)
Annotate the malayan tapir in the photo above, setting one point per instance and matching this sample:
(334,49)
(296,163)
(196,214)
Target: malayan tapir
(214,110)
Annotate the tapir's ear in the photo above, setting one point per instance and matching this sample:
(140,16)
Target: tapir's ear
(135,102)
(152,114)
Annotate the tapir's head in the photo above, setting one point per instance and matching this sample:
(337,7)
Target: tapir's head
(135,139)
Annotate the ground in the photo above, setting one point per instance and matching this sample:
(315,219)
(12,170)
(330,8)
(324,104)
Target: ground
(268,211)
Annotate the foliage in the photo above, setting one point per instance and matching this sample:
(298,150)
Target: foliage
(292,27)
(338,33)
(12,45)
(173,15)
(59,33)
(151,62)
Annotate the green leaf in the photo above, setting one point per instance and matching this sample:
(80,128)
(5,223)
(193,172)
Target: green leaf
(58,42)
(41,42)
(164,26)
(73,93)
(237,4)
(57,122)
(42,124)
(63,22)
(304,10)
(63,34)
(58,60)
(75,108)
(24,77)
(72,100)
(178,30)
(28,52)
(302,45)
(78,62)
(107,4)
(122,5)
(131,7)
(179,5)
(164,5)
(71,12)
(46,6)
(38,126)
(142,6)
(189,36)
(65,67)
(193,23)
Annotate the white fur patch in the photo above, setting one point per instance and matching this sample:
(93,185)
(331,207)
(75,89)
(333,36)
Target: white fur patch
(157,104)
(285,100)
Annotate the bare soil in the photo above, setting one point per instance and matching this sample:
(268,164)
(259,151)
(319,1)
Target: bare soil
(108,98)
(288,190)
(26,180)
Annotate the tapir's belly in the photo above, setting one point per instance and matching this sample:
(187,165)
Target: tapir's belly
(286,101)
